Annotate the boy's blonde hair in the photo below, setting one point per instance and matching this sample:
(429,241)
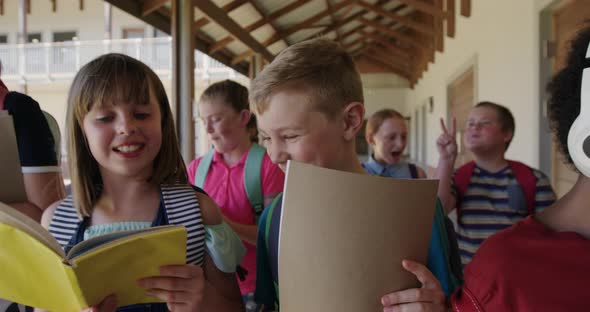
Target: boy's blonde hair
(321,66)
(116,77)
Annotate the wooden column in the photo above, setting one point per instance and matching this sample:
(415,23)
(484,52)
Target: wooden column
(183,75)
(108,21)
(21,40)
(256,64)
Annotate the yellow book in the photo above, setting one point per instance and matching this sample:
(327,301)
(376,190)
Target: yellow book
(36,272)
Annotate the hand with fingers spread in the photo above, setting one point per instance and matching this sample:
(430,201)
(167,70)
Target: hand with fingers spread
(446,143)
(181,286)
(429,298)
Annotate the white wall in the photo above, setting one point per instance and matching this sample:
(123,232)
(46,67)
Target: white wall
(501,38)
(379,98)
(88,23)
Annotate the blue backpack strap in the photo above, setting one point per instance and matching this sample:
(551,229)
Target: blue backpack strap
(203,169)
(271,209)
(182,208)
(65,221)
(252,181)
(443,252)
(267,226)
(413,171)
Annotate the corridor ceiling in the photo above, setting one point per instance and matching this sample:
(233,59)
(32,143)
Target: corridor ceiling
(385,36)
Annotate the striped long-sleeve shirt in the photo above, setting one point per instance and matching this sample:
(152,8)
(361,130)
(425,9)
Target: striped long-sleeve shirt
(493,202)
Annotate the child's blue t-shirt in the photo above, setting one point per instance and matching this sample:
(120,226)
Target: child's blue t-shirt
(267,254)
(401,170)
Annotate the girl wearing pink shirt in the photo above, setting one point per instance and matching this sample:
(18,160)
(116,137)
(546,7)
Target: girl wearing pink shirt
(224,111)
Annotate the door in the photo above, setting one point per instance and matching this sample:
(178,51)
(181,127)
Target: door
(461,98)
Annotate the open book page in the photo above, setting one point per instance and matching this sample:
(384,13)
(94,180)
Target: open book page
(35,275)
(115,266)
(32,272)
(16,219)
(116,238)
(11,178)
(343,237)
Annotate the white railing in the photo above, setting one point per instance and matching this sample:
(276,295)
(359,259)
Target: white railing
(49,61)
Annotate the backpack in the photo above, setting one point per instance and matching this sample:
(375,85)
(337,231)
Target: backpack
(252,181)
(443,251)
(413,171)
(524,176)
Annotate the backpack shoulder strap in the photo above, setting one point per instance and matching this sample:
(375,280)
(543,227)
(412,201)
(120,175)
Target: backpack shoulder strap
(252,180)
(203,169)
(65,222)
(182,208)
(443,254)
(461,180)
(268,222)
(528,182)
(413,171)
(267,227)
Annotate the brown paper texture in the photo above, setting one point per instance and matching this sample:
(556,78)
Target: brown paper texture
(343,237)
(12,188)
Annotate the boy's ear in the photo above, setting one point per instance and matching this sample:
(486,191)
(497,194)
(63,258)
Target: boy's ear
(354,116)
(370,139)
(245,117)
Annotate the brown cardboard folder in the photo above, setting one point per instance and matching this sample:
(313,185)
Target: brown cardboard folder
(343,237)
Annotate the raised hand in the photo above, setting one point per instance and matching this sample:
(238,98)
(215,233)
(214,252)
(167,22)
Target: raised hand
(429,298)
(446,143)
(181,286)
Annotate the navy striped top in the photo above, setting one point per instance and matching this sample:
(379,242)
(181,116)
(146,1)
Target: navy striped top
(493,202)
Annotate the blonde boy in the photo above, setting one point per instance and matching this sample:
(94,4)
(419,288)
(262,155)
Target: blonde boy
(309,104)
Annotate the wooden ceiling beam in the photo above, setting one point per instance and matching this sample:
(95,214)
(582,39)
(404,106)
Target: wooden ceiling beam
(308,22)
(334,20)
(353,43)
(347,20)
(451,19)
(81,5)
(385,64)
(227,8)
(466,8)
(220,17)
(265,20)
(357,51)
(162,22)
(338,25)
(353,31)
(150,6)
(395,50)
(360,28)
(425,7)
(261,12)
(439,39)
(279,36)
(398,18)
(1,7)
(394,34)
(404,65)
(53,5)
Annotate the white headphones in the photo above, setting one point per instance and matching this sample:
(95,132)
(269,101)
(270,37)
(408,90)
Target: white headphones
(578,138)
